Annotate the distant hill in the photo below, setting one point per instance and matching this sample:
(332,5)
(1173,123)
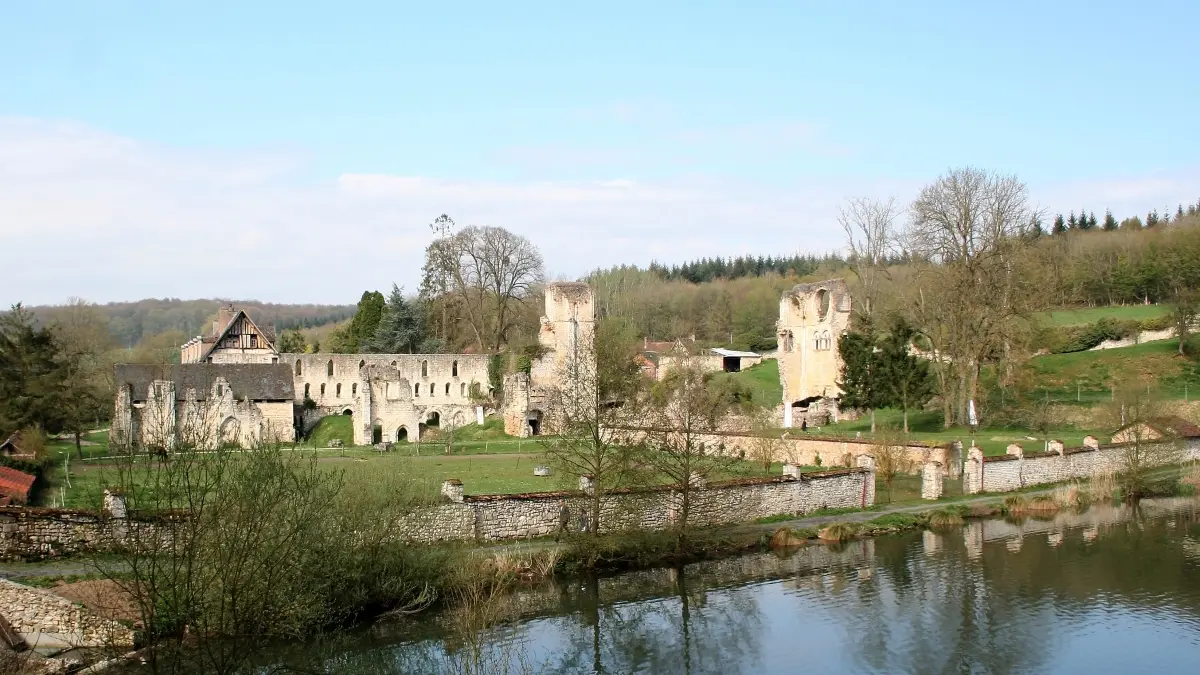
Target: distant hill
(129,322)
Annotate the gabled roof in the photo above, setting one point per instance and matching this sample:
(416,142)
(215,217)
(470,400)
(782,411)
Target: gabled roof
(254,381)
(12,446)
(1170,425)
(216,339)
(732,352)
(15,484)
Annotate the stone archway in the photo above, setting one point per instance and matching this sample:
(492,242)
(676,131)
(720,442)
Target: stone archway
(433,419)
(231,430)
(402,434)
(533,421)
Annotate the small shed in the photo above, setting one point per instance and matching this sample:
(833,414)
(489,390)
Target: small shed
(11,448)
(1155,429)
(15,486)
(733,361)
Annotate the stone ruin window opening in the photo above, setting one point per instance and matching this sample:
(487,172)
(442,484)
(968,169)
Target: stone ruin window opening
(329,368)
(220,390)
(338,390)
(822,304)
(362,363)
(432,389)
(298,369)
(306,386)
(402,435)
(789,341)
(376,433)
(454,369)
(322,389)
(393,364)
(417,389)
(462,389)
(447,388)
(348,412)
(424,369)
(354,389)
(434,420)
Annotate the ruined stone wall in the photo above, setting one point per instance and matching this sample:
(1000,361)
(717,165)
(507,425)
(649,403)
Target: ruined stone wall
(243,355)
(1020,469)
(33,610)
(34,533)
(812,317)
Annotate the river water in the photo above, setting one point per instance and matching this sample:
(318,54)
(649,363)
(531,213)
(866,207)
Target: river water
(1108,590)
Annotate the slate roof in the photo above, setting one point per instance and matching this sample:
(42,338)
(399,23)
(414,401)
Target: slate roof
(255,381)
(15,484)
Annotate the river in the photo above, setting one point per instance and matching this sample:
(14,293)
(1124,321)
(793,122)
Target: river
(1108,590)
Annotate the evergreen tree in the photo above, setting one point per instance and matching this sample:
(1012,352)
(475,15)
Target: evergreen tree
(906,379)
(1072,223)
(862,374)
(1179,213)
(400,329)
(30,375)
(1035,227)
(1152,218)
(1110,223)
(1060,226)
(1083,223)
(291,342)
(1091,220)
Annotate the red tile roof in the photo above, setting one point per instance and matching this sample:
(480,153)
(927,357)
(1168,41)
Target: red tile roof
(15,484)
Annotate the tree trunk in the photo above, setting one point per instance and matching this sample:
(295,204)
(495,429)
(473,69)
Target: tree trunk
(906,419)
(79,443)
(872,420)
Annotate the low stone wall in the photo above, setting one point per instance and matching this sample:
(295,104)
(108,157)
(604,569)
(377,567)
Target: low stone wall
(32,610)
(46,533)
(1020,469)
(499,517)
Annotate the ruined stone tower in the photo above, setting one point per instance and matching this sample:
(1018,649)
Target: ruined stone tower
(566,341)
(812,317)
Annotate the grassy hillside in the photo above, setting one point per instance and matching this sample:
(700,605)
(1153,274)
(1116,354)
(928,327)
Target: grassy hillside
(1079,317)
(1090,376)
(330,427)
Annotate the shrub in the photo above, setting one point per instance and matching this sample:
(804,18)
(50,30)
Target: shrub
(1156,323)
(944,518)
(838,532)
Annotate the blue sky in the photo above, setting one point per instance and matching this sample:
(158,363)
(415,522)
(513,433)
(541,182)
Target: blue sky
(147,140)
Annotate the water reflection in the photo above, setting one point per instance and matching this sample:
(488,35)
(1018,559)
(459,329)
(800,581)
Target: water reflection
(1106,590)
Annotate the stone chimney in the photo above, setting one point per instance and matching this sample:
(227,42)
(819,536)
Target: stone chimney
(224,316)
(452,490)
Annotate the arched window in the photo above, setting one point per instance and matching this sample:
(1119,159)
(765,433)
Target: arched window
(789,342)
(447,388)
(306,385)
(816,341)
(329,368)
(354,389)
(322,389)
(393,364)
(462,389)
(361,364)
(424,369)
(454,369)
(417,389)
(432,390)
(220,390)
(338,390)
(298,373)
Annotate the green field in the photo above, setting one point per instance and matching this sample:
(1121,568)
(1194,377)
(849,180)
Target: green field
(1088,378)
(762,380)
(1084,315)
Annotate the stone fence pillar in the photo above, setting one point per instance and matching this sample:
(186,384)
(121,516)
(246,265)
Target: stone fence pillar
(1091,442)
(792,470)
(973,472)
(931,480)
(452,490)
(587,484)
(1013,449)
(114,505)
(868,494)
(1055,445)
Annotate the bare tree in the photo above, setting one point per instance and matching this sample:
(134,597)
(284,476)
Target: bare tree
(489,270)
(968,294)
(592,411)
(81,332)
(683,415)
(1148,441)
(891,455)
(871,237)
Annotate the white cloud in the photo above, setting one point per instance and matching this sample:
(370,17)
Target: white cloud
(92,214)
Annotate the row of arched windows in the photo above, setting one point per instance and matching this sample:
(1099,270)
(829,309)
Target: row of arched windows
(424,367)
(462,389)
(822,340)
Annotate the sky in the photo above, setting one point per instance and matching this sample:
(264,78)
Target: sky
(297,151)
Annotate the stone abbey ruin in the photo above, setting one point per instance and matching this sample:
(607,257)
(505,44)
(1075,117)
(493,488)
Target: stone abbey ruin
(234,387)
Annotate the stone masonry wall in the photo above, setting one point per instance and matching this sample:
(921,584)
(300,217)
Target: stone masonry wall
(33,610)
(1020,469)
(46,533)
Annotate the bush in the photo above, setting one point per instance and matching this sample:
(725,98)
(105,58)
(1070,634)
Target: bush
(944,518)
(1157,323)
(1083,338)
(838,532)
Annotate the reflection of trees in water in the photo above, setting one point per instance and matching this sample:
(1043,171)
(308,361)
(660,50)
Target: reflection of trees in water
(695,631)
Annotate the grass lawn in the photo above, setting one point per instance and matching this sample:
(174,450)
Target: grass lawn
(1074,317)
(927,426)
(763,382)
(1087,377)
